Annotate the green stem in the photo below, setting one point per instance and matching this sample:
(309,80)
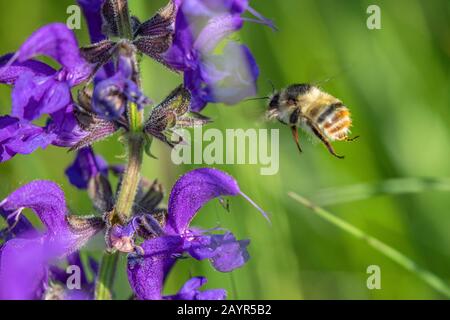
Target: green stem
(125,201)
(431,279)
(105,278)
(124,21)
(130,179)
(132,176)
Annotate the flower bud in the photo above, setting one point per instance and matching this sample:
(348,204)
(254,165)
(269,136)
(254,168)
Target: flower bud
(109,100)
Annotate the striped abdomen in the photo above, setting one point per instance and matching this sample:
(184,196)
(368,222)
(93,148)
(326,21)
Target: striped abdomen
(333,119)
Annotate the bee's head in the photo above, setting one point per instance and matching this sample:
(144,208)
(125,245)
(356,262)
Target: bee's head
(274,106)
(274,102)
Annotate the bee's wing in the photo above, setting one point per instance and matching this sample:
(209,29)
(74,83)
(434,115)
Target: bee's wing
(258,116)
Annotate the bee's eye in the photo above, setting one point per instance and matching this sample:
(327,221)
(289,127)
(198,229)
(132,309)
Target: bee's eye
(274,103)
(291,102)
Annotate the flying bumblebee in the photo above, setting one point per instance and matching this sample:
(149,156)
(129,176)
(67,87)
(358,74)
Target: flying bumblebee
(315,111)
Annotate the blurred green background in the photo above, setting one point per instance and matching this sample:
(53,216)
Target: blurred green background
(396,83)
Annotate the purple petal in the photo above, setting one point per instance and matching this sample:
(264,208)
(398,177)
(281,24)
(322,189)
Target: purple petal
(200,26)
(66,128)
(193,37)
(45,198)
(21,137)
(211,8)
(213,294)
(78,295)
(16,227)
(92,12)
(148,273)
(24,267)
(86,167)
(181,55)
(58,42)
(10,75)
(60,275)
(93,264)
(37,90)
(108,100)
(75,260)
(23,271)
(192,191)
(217,29)
(231,76)
(121,238)
(190,291)
(224,251)
(200,93)
(24,262)
(111,96)
(34,96)
(8,128)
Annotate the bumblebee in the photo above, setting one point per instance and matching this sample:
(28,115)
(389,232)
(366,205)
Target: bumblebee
(315,111)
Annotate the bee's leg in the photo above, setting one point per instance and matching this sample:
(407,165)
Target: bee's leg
(352,139)
(294,130)
(293,120)
(323,138)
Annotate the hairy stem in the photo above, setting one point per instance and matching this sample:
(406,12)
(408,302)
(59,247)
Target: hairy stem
(124,21)
(431,279)
(105,278)
(132,175)
(125,200)
(130,180)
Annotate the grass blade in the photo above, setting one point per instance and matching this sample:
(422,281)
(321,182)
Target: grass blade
(389,187)
(398,257)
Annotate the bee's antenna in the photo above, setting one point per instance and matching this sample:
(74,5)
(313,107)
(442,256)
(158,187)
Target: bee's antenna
(260,98)
(352,139)
(272,85)
(333,77)
(266,97)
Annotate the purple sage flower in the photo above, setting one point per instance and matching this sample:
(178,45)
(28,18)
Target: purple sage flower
(190,291)
(57,288)
(201,25)
(26,256)
(111,95)
(86,167)
(38,89)
(22,137)
(92,13)
(148,270)
(186,36)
